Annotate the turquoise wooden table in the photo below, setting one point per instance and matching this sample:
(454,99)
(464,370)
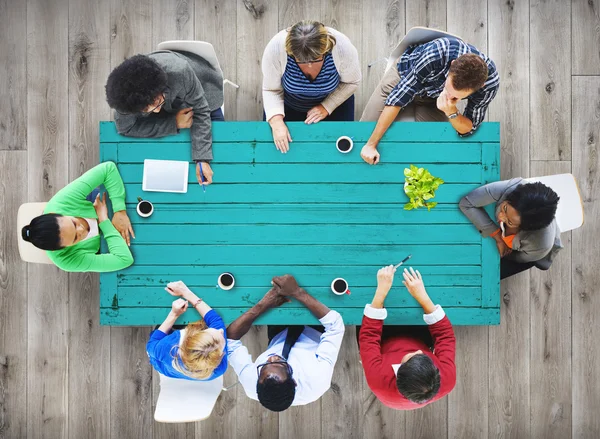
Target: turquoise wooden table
(315,213)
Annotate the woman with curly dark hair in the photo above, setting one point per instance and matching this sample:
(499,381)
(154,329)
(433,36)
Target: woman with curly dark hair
(160,93)
(525,229)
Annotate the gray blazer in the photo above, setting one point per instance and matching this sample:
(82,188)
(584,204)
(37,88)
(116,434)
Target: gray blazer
(528,246)
(191,82)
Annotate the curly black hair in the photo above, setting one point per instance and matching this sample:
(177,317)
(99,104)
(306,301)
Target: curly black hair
(276,395)
(536,204)
(135,84)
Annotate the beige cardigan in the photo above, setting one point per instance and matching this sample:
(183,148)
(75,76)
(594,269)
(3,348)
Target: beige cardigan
(345,58)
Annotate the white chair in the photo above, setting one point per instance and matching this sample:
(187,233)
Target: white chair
(569,213)
(27,251)
(202,49)
(416,35)
(185,400)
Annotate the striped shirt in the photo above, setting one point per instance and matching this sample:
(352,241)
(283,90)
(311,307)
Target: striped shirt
(423,71)
(302,94)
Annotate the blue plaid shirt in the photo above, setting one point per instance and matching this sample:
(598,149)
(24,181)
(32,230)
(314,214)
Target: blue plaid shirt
(423,71)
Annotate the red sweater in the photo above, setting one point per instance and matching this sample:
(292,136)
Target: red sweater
(377,359)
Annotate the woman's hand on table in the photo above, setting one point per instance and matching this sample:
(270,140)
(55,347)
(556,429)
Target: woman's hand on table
(123,225)
(179,289)
(179,306)
(206,170)
(281,134)
(370,154)
(316,114)
(100,207)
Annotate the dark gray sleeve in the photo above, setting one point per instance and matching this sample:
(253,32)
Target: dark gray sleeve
(201,131)
(472,204)
(532,246)
(153,125)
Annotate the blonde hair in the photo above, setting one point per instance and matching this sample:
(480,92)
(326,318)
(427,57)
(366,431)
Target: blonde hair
(308,41)
(199,354)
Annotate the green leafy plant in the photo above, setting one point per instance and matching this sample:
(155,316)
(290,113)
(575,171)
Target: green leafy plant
(420,186)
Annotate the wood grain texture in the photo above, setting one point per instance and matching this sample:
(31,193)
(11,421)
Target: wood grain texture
(551,328)
(89,345)
(509,344)
(340,404)
(214,23)
(131,413)
(471,392)
(586,257)
(550,54)
(585,41)
(428,422)
(468,19)
(347,17)
(291,12)
(13,75)
(377,43)
(13,299)
(509,49)
(47,132)
(257,23)
(223,420)
(426,13)
(172,20)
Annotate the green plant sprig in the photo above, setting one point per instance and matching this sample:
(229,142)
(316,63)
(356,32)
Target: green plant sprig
(420,187)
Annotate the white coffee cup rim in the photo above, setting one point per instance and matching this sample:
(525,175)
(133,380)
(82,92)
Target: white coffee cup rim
(349,140)
(220,284)
(140,213)
(333,289)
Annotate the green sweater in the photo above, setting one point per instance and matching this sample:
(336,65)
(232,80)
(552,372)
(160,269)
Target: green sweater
(71,201)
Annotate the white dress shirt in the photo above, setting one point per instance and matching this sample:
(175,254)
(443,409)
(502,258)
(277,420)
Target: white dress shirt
(312,358)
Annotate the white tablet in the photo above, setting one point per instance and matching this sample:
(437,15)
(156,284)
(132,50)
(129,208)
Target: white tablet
(165,176)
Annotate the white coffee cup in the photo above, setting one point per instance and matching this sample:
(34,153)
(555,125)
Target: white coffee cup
(144,208)
(344,138)
(339,286)
(226,281)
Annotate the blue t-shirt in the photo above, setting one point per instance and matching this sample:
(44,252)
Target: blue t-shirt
(302,94)
(160,348)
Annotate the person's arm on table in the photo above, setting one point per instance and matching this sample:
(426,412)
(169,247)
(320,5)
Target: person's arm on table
(240,326)
(272,92)
(179,289)
(372,327)
(472,206)
(439,326)
(119,255)
(153,348)
(402,95)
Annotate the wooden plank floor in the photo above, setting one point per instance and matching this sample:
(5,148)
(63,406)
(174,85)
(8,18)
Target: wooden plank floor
(64,376)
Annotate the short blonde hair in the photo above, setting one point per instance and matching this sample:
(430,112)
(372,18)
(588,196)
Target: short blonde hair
(199,354)
(308,41)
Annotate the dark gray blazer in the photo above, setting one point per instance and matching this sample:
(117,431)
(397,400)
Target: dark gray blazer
(528,246)
(191,82)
